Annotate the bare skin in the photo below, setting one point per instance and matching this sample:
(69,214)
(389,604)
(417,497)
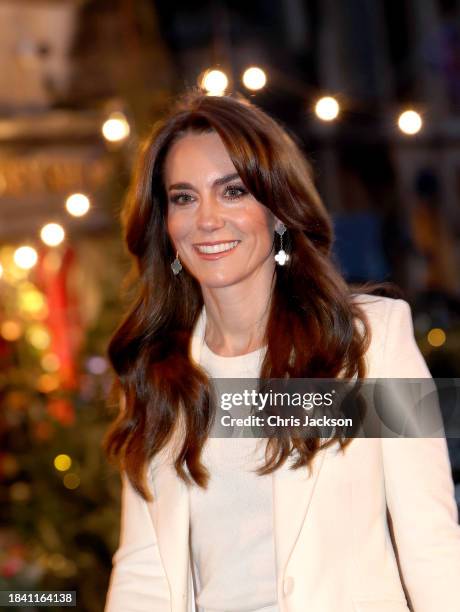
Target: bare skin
(208,203)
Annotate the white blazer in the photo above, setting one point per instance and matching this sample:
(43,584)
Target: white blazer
(333,541)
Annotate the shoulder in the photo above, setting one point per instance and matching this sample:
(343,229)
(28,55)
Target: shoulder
(393,351)
(379,305)
(383,313)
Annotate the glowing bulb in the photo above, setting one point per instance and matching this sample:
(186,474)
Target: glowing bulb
(1,270)
(77,204)
(50,362)
(215,82)
(62,462)
(52,234)
(38,336)
(30,300)
(436,336)
(11,330)
(96,365)
(327,108)
(410,122)
(25,257)
(116,128)
(71,480)
(47,383)
(254,78)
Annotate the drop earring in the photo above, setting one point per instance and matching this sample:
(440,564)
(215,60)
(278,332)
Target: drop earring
(281,257)
(176,265)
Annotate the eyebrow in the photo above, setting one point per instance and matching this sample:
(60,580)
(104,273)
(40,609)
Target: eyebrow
(220,181)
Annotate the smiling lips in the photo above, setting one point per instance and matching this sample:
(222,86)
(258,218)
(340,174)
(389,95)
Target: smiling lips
(214,251)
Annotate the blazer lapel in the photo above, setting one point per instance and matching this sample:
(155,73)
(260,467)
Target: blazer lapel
(292,494)
(170,515)
(170,509)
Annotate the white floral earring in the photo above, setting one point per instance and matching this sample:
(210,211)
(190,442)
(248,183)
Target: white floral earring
(176,265)
(281,257)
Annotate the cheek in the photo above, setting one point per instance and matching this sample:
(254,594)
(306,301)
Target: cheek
(260,223)
(176,225)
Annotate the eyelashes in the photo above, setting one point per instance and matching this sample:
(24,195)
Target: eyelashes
(237,192)
(177,198)
(242,191)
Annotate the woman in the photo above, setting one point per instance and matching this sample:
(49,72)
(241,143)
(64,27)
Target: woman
(235,279)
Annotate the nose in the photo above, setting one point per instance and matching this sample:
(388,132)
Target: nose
(209,215)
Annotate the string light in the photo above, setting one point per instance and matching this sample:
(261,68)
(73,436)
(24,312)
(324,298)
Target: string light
(116,127)
(327,108)
(77,204)
(71,480)
(38,336)
(436,336)
(30,300)
(25,257)
(96,365)
(47,383)
(214,82)
(62,462)
(11,330)
(11,272)
(410,122)
(254,78)
(52,234)
(50,362)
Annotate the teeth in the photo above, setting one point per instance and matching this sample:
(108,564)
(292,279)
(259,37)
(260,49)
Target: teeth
(217,248)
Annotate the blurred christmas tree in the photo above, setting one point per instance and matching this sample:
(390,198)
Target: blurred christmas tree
(59,500)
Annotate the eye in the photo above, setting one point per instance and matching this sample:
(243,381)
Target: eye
(233,192)
(181,198)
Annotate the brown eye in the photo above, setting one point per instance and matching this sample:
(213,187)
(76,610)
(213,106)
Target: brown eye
(233,192)
(181,198)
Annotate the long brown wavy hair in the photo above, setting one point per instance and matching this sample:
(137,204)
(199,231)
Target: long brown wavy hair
(312,309)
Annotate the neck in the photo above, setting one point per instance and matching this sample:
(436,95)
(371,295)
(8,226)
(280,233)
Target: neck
(237,316)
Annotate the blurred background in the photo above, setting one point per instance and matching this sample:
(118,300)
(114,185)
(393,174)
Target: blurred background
(372,90)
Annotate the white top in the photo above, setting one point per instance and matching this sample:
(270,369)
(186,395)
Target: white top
(231,522)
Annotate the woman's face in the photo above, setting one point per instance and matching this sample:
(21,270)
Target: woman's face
(223,234)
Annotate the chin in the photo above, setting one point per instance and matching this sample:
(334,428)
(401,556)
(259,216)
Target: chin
(213,282)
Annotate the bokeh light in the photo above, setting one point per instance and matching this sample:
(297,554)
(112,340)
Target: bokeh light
(327,108)
(62,462)
(71,480)
(410,122)
(11,330)
(214,82)
(52,234)
(254,78)
(116,127)
(96,365)
(436,337)
(25,257)
(77,204)
(30,300)
(50,362)
(38,336)
(47,383)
